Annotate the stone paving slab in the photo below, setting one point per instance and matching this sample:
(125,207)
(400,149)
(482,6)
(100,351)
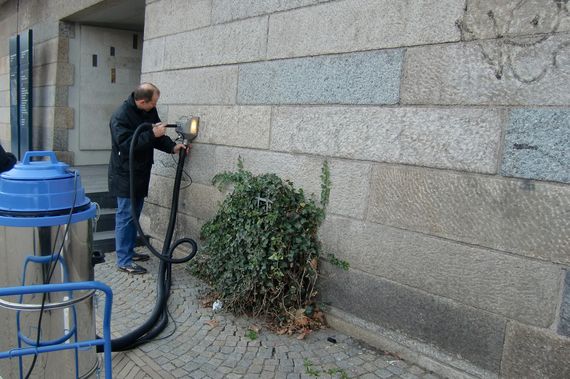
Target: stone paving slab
(195,349)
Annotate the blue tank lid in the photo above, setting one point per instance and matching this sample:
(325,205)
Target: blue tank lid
(42,193)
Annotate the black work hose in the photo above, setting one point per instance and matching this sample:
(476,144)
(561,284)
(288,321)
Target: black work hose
(158,319)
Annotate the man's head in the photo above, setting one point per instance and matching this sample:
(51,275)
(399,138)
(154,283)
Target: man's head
(146,96)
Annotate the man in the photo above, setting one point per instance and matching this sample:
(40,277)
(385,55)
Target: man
(7,160)
(139,108)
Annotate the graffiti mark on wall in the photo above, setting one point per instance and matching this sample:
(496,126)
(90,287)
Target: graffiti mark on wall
(516,36)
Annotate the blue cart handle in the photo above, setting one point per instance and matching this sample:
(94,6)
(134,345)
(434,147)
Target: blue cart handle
(30,154)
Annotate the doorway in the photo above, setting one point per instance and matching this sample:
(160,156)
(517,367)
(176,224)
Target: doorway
(106,52)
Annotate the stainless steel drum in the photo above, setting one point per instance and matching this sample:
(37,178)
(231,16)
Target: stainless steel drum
(46,237)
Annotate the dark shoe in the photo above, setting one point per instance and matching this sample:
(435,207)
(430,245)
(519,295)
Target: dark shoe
(133,268)
(137,257)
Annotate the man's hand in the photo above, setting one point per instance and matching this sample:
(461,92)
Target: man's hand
(180,146)
(159,129)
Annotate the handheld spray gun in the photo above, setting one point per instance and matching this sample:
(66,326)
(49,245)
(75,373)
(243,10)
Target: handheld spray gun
(187,129)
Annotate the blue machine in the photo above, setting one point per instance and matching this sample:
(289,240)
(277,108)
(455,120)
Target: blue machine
(46,266)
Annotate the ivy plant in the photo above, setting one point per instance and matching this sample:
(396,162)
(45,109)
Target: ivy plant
(261,249)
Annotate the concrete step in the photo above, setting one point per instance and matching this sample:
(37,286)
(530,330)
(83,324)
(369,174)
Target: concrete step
(106,220)
(104,199)
(105,241)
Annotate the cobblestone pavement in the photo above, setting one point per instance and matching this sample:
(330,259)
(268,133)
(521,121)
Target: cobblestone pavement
(197,349)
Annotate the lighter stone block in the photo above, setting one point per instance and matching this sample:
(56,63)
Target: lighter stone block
(43,30)
(537,145)
(229,125)
(5,115)
(5,82)
(485,19)
(357,78)
(53,73)
(343,26)
(240,41)
(45,96)
(465,139)
(349,187)
(153,55)
(46,52)
(215,85)
(5,99)
(175,16)
(534,353)
(529,219)
(349,191)
(43,116)
(488,72)
(4,65)
(5,132)
(514,287)
(8,28)
(59,117)
(228,10)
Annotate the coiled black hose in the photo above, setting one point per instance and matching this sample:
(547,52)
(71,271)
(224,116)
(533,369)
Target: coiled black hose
(158,319)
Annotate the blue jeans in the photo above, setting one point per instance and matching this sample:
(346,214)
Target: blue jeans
(125,229)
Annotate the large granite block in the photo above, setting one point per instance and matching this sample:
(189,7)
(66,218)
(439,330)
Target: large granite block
(197,200)
(357,78)
(228,10)
(529,219)
(153,55)
(229,125)
(176,16)
(240,41)
(46,52)
(537,145)
(154,221)
(564,322)
(531,353)
(488,72)
(349,179)
(343,26)
(474,334)
(211,85)
(513,287)
(461,138)
(58,73)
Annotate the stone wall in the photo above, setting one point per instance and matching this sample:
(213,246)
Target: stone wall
(52,73)
(446,124)
(447,128)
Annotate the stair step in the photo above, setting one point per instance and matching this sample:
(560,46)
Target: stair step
(104,199)
(106,220)
(104,241)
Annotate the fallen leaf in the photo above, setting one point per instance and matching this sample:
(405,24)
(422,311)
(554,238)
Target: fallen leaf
(314,263)
(255,328)
(213,323)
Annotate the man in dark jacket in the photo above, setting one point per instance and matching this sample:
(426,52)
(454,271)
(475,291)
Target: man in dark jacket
(7,160)
(138,109)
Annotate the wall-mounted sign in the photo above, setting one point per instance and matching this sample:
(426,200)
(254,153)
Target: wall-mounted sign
(21,47)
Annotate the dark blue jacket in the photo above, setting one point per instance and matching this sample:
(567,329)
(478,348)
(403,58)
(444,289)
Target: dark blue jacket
(123,124)
(7,160)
